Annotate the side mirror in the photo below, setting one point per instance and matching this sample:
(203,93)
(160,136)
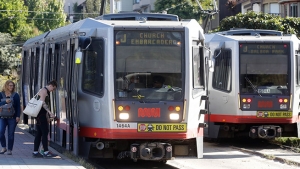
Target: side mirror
(78,57)
(84,42)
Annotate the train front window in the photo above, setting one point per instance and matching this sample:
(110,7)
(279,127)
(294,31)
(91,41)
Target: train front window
(149,65)
(264,69)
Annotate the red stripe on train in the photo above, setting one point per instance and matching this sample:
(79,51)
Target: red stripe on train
(106,133)
(248,119)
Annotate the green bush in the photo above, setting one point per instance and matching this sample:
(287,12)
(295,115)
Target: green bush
(252,20)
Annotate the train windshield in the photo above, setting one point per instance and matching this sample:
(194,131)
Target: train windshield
(264,69)
(149,65)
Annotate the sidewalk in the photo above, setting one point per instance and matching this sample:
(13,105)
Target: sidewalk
(21,157)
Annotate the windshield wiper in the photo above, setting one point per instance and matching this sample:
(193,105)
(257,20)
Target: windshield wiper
(253,87)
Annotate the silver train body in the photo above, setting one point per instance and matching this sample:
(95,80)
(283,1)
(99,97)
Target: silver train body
(254,85)
(100,116)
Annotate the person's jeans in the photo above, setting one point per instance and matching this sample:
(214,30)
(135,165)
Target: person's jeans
(11,125)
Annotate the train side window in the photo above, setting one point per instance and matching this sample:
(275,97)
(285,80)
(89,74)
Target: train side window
(298,67)
(198,67)
(223,70)
(92,79)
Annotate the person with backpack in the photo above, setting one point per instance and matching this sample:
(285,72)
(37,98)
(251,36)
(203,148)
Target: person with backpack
(9,115)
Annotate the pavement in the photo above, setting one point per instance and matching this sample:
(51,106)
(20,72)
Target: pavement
(283,155)
(220,156)
(21,157)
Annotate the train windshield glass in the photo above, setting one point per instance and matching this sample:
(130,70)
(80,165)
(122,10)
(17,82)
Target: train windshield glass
(264,69)
(149,65)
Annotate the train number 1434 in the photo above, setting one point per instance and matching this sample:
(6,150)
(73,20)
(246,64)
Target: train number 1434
(123,125)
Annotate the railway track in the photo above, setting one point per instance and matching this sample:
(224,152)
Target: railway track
(128,164)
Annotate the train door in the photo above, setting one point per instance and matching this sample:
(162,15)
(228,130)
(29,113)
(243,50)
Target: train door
(199,89)
(69,134)
(73,86)
(220,85)
(25,81)
(63,124)
(33,65)
(70,101)
(51,74)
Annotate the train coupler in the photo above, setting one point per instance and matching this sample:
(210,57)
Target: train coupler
(151,151)
(265,131)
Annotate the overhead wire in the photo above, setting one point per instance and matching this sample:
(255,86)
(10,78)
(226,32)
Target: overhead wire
(44,12)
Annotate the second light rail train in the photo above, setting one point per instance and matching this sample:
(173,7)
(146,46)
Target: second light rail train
(255,86)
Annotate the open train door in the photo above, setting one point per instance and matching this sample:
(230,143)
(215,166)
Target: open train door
(74,88)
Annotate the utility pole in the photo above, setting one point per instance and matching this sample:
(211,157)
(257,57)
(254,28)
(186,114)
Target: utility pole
(102,7)
(209,13)
(103,4)
(112,6)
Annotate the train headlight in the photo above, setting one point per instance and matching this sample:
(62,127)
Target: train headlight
(174,116)
(120,108)
(246,106)
(124,116)
(283,106)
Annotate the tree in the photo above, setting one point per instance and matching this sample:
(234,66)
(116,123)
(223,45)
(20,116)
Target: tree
(185,9)
(78,12)
(46,14)
(9,54)
(252,20)
(92,8)
(13,16)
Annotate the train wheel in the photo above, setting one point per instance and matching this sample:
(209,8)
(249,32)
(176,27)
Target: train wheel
(164,161)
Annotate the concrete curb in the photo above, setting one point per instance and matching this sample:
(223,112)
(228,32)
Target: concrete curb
(274,158)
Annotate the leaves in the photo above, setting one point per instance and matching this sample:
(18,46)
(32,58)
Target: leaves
(13,16)
(252,20)
(185,9)
(46,14)
(92,8)
(10,55)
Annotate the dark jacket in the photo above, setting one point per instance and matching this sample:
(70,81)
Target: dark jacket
(17,104)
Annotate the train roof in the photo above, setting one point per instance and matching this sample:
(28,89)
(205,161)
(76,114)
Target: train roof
(251,32)
(251,36)
(90,23)
(139,16)
(37,38)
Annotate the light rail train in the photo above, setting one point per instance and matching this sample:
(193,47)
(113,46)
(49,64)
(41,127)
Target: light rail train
(106,101)
(255,86)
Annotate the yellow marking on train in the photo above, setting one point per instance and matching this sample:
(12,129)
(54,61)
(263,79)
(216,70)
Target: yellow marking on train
(274,114)
(78,60)
(162,127)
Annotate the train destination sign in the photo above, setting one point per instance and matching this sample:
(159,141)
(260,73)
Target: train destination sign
(264,49)
(148,38)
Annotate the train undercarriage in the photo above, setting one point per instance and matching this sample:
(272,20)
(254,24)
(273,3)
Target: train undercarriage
(262,131)
(150,150)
